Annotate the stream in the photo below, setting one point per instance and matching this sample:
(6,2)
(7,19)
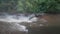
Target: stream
(30,24)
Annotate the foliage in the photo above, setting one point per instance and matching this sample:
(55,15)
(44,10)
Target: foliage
(37,6)
(8,5)
(30,6)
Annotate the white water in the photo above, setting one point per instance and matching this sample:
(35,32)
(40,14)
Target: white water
(18,19)
(15,20)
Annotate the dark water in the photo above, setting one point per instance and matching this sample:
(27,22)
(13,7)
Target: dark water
(45,30)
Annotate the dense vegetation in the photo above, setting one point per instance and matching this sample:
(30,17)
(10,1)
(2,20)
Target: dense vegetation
(30,6)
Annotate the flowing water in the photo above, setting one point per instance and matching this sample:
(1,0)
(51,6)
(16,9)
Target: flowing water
(30,24)
(13,23)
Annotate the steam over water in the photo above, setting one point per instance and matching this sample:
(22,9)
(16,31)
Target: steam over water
(14,21)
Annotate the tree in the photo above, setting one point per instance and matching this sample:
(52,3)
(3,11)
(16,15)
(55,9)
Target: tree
(8,5)
(30,6)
